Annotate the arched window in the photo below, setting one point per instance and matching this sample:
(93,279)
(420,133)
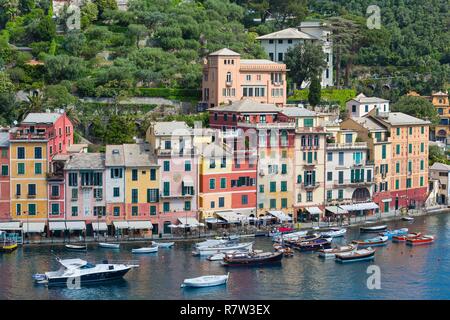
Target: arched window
(229,77)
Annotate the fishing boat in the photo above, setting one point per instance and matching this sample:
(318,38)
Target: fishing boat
(152,249)
(252,258)
(221,255)
(76,247)
(206,251)
(357,255)
(407,218)
(163,244)
(377,241)
(403,238)
(334,233)
(206,281)
(294,242)
(426,239)
(77,272)
(373,229)
(392,233)
(313,245)
(8,246)
(289,236)
(331,253)
(109,245)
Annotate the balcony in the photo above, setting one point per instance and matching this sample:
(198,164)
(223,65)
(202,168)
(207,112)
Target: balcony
(175,196)
(269,126)
(347,146)
(229,83)
(54,196)
(176,152)
(51,176)
(277,83)
(352,183)
(310,130)
(309,186)
(20,135)
(31,196)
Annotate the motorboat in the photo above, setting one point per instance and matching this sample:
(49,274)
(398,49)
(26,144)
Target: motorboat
(206,281)
(74,272)
(377,241)
(76,247)
(289,236)
(357,255)
(203,251)
(252,258)
(210,243)
(313,245)
(407,218)
(373,229)
(294,242)
(334,233)
(403,238)
(425,239)
(7,246)
(392,233)
(331,253)
(163,244)
(152,249)
(109,245)
(221,255)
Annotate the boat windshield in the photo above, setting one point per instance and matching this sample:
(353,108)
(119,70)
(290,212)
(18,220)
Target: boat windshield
(88,266)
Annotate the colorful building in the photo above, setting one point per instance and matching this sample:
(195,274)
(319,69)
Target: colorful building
(441,103)
(115,182)
(5,197)
(440,172)
(227,77)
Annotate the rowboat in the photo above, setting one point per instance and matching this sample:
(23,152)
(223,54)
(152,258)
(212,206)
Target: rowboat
(313,245)
(407,218)
(221,255)
(377,241)
(151,249)
(373,229)
(206,281)
(163,244)
(392,233)
(109,245)
(293,243)
(403,238)
(252,258)
(8,247)
(75,247)
(289,236)
(357,255)
(334,233)
(206,251)
(210,243)
(331,253)
(426,239)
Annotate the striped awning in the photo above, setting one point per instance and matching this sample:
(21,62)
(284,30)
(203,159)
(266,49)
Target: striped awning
(120,224)
(280,215)
(336,210)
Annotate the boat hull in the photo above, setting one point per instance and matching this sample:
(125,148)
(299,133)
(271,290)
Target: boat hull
(8,248)
(109,245)
(242,262)
(76,248)
(213,250)
(88,278)
(373,229)
(345,258)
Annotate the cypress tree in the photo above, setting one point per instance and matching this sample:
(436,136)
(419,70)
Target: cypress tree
(314,91)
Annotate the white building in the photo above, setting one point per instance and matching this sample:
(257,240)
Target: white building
(362,105)
(276,45)
(115,179)
(440,172)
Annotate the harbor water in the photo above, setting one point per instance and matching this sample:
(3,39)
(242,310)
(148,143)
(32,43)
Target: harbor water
(421,272)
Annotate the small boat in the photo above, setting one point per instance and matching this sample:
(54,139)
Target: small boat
(392,233)
(294,242)
(152,249)
(261,233)
(377,241)
(221,255)
(203,251)
(426,239)
(210,243)
(287,252)
(334,233)
(82,271)
(407,218)
(76,247)
(163,244)
(331,253)
(206,281)
(403,238)
(373,229)
(8,246)
(313,245)
(357,255)
(252,258)
(109,245)
(289,236)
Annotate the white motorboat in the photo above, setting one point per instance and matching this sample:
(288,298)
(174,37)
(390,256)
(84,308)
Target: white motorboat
(331,253)
(373,229)
(75,247)
(206,281)
(207,251)
(334,233)
(152,249)
(293,236)
(74,272)
(407,218)
(210,243)
(163,244)
(221,255)
(109,245)
(356,255)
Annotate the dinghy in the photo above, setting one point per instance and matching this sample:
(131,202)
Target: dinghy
(392,233)
(407,218)
(403,238)
(373,229)
(210,243)
(357,255)
(289,236)
(204,251)
(331,253)
(205,281)
(334,233)
(151,249)
(163,244)
(75,247)
(377,241)
(313,245)
(252,258)
(109,245)
(426,239)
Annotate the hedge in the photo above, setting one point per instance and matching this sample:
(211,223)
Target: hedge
(170,93)
(340,96)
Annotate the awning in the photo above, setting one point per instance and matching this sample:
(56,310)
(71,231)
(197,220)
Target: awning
(30,227)
(336,210)
(139,225)
(280,215)
(12,225)
(230,216)
(57,225)
(189,222)
(360,206)
(188,182)
(214,220)
(76,225)
(314,210)
(99,226)
(386,200)
(120,224)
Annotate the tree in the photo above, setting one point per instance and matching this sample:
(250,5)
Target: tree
(418,107)
(305,61)
(7,97)
(57,96)
(436,154)
(314,91)
(136,32)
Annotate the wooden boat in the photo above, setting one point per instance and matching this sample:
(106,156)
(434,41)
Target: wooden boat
(313,245)
(426,239)
(334,233)
(109,245)
(373,229)
(293,243)
(221,255)
(163,244)
(203,251)
(357,255)
(331,253)
(392,233)
(151,249)
(252,258)
(407,218)
(206,281)
(403,238)
(76,247)
(377,241)
(287,252)
(8,247)
(293,236)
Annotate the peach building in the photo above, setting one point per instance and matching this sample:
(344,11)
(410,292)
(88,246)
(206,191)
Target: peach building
(227,77)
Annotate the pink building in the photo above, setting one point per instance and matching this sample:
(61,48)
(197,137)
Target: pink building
(4,177)
(227,77)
